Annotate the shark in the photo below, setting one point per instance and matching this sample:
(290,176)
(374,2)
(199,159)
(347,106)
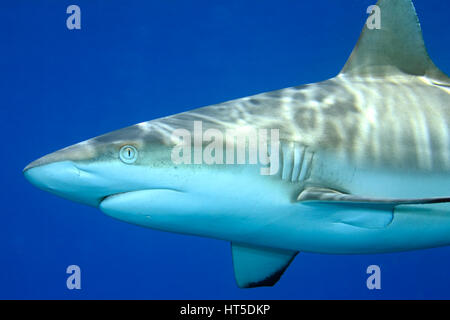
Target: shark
(364,163)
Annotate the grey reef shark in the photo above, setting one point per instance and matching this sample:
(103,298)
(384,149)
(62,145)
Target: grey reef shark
(356,164)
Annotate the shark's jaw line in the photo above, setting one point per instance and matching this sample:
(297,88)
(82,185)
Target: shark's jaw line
(364,163)
(119,194)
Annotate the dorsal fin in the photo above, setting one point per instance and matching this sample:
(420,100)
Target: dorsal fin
(396,48)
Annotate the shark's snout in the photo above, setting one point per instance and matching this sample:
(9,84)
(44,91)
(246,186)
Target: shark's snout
(52,176)
(78,152)
(62,173)
(64,179)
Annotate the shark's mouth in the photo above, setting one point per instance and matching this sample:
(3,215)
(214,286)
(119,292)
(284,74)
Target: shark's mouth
(129,201)
(105,198)
(141,207)
(137,191)
(123,193)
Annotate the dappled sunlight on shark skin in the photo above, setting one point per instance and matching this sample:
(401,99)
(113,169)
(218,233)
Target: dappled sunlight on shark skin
(361,125)
(363,163)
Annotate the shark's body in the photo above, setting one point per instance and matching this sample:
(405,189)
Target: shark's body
(364,163)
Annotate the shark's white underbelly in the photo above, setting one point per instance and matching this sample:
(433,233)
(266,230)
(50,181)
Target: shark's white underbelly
(243,206)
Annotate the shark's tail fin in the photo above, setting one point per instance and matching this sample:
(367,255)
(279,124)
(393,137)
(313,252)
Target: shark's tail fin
(391,43)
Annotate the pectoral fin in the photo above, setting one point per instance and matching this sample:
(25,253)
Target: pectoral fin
(359,211)
(336,197)
(259,266)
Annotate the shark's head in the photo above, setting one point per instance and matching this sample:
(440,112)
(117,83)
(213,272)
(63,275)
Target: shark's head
(122,161)
(131,174)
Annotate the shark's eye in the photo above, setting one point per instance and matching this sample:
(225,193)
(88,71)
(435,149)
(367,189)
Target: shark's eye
(128,154)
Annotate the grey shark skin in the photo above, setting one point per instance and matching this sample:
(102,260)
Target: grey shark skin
(364,163)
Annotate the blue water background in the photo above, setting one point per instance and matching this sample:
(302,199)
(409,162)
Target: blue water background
(134,61)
